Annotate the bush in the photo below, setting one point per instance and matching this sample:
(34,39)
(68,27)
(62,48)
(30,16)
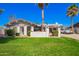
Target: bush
(28,33)
(10,32)
(55,32)
(17,34)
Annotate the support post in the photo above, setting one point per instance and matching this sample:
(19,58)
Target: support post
(18,29)
(32,28)
(25,30)
(59,32)
(47,30)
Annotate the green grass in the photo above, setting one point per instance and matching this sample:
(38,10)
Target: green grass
(39,47)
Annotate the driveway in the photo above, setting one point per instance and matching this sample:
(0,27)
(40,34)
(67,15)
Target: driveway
(74,36)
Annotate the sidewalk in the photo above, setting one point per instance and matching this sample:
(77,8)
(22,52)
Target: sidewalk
(74,36)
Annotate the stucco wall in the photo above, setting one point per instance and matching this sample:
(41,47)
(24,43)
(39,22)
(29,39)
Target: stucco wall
(39,34)
(2,33)
(77,29)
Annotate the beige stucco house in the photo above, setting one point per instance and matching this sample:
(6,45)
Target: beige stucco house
(24,27)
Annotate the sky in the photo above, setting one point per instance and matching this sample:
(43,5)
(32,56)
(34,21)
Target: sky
(55,12)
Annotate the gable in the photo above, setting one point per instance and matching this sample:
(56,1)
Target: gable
(19,21)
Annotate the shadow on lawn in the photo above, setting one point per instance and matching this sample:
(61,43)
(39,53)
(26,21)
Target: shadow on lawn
(6,39)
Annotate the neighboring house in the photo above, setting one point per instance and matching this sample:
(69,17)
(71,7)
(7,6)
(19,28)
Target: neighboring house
(76,28)
(24,27)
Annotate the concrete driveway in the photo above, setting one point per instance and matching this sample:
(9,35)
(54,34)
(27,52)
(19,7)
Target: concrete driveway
(74,36)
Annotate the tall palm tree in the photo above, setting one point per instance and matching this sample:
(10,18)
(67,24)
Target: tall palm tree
(1,11)
(72,11)
(41,6)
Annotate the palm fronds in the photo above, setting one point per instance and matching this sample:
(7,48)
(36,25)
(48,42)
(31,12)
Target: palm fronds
(72,10)
(1,11)
(41,5)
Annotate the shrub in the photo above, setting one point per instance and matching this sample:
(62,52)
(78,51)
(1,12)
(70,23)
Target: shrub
(10,32)
(28,33)
(55,32)
(17,34)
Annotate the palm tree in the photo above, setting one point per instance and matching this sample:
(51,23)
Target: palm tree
(41,6)
(72,11)
(1,11)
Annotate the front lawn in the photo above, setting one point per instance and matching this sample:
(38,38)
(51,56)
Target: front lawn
(39,47)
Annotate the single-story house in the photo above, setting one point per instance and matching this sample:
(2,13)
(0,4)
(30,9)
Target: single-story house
(24,27)
(20,26)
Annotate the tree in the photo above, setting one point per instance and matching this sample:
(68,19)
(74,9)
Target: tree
(1,11)
(71,12)
(41,6)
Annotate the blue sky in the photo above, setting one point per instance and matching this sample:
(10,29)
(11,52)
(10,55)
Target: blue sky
(55,12)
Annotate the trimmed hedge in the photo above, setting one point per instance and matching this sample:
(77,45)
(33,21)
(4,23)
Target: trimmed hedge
(55,32)
(17,34)
(10,32)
